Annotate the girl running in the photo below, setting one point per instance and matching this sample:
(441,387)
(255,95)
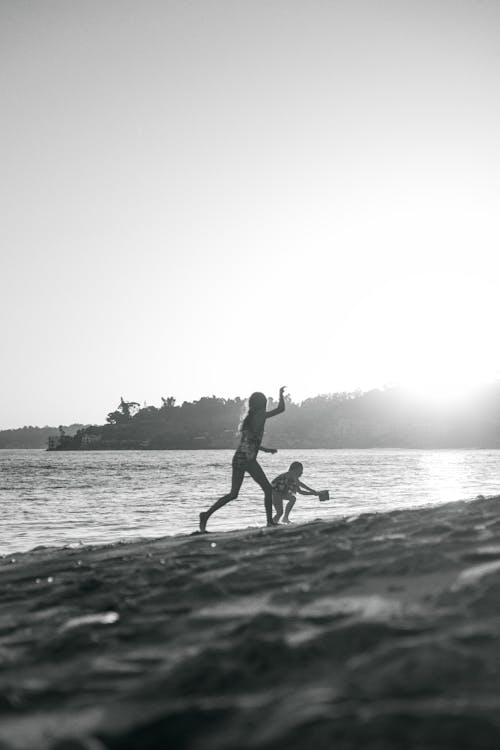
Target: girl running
(245,458)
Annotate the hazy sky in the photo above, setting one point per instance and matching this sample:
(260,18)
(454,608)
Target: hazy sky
(221,196)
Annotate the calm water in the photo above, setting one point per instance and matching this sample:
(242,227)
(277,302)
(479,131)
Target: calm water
(68,498)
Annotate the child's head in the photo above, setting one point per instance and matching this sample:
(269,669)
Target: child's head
(296,469)
(257,401)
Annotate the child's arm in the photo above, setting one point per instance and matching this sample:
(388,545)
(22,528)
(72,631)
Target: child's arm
(281,404)
(268,450)
(310,491)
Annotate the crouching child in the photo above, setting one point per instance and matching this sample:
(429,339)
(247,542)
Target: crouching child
(284,487)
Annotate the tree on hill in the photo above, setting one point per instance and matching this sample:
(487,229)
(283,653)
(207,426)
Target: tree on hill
(124,412)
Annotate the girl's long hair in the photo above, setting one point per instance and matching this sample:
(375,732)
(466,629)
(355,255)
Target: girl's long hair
(256,401)
(245,413)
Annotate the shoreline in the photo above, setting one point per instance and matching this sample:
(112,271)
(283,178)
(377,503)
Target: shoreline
(380,631)
(140,540)
(198,448)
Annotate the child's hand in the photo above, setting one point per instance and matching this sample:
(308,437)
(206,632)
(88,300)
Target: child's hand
(273,450)
(282,390)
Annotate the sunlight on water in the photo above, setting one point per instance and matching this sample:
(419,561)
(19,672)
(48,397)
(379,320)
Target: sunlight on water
(100,497)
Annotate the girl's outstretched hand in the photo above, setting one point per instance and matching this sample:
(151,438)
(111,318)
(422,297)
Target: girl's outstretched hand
(273,450)
(282,390)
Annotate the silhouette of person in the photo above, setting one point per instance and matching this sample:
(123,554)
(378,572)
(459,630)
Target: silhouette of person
(285,486)
(245,457)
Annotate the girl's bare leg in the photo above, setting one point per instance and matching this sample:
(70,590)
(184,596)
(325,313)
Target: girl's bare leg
(288,508)
(257,473)
(278,506)
(236,482)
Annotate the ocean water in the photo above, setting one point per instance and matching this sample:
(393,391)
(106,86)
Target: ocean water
(58,499)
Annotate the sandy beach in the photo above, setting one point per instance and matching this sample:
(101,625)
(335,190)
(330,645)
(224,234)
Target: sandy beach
(380,632)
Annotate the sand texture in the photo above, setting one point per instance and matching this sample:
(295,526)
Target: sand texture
(378,633)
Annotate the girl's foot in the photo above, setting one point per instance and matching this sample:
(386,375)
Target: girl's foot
(203,522)
(272,523)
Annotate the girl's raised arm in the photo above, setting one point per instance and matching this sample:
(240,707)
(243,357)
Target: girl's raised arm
(281,404)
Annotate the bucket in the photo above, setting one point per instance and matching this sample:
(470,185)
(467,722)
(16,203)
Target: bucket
(323,495)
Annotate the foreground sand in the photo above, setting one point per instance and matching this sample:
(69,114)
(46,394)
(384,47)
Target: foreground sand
(380,633)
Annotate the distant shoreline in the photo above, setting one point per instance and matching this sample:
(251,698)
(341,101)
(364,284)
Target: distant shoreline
(381,418)
(286,448)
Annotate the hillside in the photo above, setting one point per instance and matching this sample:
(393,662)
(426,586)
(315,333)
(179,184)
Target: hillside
(380,418)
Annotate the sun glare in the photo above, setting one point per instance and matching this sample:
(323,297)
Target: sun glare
(447,391)
(449,342)
(435,337)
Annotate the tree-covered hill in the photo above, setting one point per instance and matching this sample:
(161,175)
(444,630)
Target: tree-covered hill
(33,437)
(389,417)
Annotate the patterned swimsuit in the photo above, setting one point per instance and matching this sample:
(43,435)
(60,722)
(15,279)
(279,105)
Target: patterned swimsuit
(285,484)
(248,448)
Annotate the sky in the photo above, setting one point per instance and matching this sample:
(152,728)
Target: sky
(219,196)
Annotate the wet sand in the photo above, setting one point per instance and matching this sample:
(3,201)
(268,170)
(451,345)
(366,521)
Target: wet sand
(379,633)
